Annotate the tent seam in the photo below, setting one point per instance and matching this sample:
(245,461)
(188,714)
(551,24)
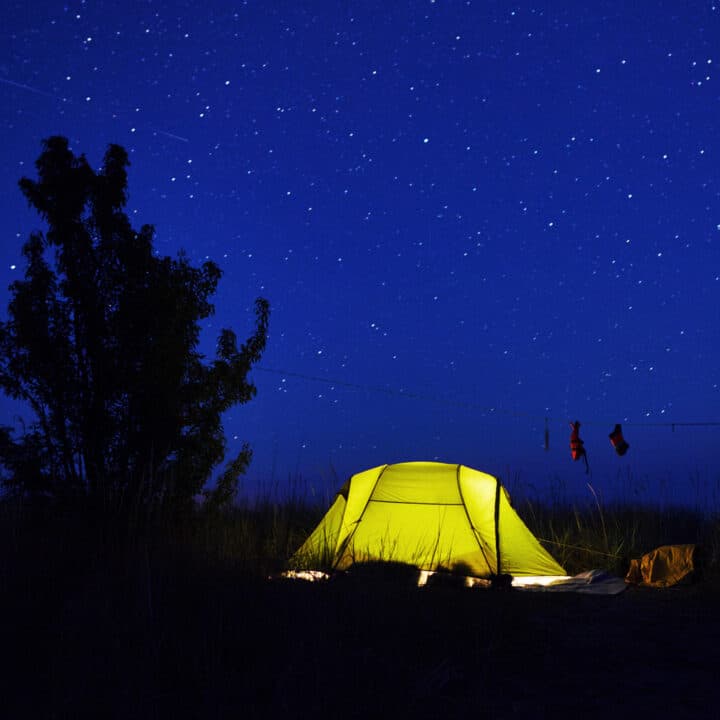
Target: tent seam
(415,502)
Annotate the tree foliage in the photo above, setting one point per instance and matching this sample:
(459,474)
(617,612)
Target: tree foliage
(102,342)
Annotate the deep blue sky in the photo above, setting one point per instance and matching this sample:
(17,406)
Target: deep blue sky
(508,206)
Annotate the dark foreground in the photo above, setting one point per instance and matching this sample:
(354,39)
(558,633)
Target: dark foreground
(125,642)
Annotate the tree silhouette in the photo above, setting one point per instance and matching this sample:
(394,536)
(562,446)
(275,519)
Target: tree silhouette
(101,342)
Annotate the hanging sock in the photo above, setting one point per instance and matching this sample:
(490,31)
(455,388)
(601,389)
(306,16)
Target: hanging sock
(618,441)
(576,445)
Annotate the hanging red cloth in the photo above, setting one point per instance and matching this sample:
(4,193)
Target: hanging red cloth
(577,449)
(618,441)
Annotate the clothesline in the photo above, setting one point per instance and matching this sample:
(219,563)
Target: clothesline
(475,406)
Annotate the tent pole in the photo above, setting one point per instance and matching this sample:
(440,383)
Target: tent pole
(497,525)
(479,541)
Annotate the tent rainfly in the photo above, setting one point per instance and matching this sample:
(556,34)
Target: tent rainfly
(432,515)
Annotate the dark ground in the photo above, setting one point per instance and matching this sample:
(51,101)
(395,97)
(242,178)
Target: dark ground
(129,642)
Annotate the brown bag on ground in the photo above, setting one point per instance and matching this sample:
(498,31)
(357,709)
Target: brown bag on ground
(665,566)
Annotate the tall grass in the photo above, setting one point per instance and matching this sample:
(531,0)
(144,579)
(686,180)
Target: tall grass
(594,534)
(260,536)
(256,537)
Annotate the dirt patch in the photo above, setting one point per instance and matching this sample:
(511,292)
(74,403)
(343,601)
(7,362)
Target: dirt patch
(292,649)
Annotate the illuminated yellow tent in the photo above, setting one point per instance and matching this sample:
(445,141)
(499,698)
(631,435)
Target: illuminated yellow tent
(431,515)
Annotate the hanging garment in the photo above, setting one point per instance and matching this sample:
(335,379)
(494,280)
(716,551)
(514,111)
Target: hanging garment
(618,441)
(577,449)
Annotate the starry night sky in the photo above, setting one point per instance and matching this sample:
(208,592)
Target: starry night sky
(468,216)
